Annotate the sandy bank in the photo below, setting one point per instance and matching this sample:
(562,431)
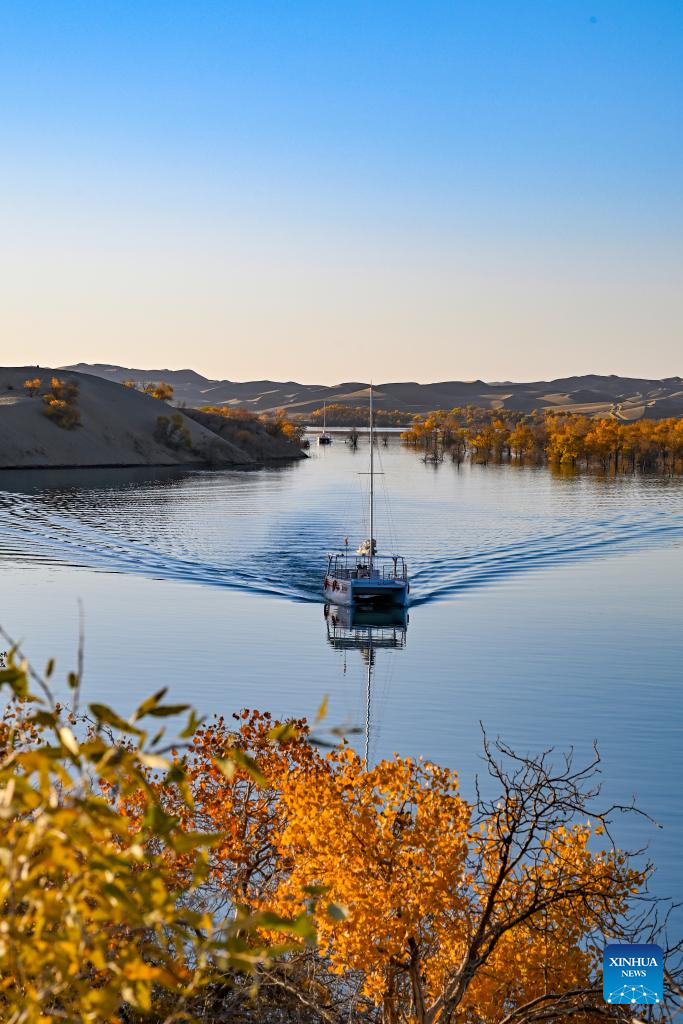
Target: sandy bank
(118,427)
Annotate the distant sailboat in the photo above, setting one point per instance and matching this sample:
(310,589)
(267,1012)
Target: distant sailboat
(324,438)
(366,577)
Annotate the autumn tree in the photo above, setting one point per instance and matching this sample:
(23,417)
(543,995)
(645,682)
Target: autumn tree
(161,390)
(61,403)
(603,441)
(32,386)
(523,441)
(459,912)
(100,924)
(142,881)
(337,414)
(560,438)
(282,426)
(447,910)
(482,442)
(173,432)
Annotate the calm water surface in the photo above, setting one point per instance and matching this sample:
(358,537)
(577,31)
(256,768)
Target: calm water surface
(547,608)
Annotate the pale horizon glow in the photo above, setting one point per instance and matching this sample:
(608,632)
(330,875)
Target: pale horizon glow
(321,195)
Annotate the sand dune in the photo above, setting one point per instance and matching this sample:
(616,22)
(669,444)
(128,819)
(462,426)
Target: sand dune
(117,428)
(590,393)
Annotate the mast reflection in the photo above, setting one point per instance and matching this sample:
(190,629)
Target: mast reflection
(366,630)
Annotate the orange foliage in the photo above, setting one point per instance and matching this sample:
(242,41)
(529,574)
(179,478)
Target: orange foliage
(60,403)
(427,898)
(565,439)
(162,391)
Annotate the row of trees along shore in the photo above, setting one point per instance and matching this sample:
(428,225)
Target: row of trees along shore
(277,425)
(558,438)
(250,871)
(336,414)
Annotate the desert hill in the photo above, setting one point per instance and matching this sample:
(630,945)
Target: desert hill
(116,427)
(625,397)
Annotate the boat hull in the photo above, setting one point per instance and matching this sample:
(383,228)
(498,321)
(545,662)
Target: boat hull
(371,593)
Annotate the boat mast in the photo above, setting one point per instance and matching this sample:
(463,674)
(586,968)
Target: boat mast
(372,481)
(368,698)
(324,416)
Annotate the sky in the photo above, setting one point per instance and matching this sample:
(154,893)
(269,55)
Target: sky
(339,191)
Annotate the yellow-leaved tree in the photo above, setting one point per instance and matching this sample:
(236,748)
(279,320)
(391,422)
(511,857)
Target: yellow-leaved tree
(455,911)
(476,912)
(141,882)
(94,925)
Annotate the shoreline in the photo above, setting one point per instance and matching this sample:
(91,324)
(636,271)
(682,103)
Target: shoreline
(183,466)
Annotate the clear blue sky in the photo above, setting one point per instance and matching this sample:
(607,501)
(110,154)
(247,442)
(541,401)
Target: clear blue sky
(328,191)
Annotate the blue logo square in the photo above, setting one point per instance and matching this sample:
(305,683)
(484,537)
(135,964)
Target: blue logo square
(632,974)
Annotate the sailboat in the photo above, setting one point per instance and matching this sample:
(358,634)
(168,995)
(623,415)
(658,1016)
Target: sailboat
(324,438)
(365,577)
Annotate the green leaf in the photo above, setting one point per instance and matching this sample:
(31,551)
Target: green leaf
(166,710)
(322,710)
(16,679)
(158,821)
(151,702)
(153,760)
(193,723)
(158,736)
(174,775)
(106,715)
(69,740)
(249,764)
(337,912)
(283,733)
(303,925)
(48,718)
(186,841)
(227,766)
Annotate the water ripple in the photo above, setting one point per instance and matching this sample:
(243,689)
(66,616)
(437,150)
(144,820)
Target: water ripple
(268,532)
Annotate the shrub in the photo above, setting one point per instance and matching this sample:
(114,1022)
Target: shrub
(285,428)
(172,432)
(32,386)
(231,412)
(94,926)
(161,390)
(60,403)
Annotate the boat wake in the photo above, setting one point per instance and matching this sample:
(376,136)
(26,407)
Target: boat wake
(283,556)
(480,567)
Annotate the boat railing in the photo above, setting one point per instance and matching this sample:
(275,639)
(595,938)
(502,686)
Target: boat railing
(390,571)
(352,639)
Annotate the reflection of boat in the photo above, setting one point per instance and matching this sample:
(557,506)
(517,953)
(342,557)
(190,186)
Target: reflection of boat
(366,630)
(324,438)
(365,577)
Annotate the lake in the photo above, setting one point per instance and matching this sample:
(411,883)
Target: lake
(547,607)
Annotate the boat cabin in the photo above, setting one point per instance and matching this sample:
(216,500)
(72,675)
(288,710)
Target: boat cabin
(345,565)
